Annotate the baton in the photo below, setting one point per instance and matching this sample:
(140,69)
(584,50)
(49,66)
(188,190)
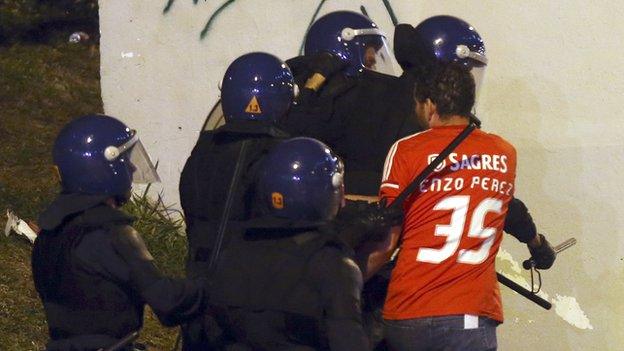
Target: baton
(523,291)
(530,263)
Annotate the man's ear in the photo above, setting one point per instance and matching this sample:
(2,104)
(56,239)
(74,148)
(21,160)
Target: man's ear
(432,110)
(432,106)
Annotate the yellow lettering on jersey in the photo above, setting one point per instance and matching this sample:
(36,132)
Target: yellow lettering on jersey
(277,200)
(253,106)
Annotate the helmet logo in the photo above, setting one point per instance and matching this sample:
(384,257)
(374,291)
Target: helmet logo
(253,106)
(277,200)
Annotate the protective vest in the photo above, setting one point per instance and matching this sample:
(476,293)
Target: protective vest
(78,302)
(222,166)
(271,273)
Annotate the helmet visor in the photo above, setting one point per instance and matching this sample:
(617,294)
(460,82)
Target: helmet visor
(215,118)
(133,152)
(376,56)
(478,73)
(373,50)
(143,170)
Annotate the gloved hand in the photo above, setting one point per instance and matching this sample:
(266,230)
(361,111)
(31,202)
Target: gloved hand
(322,65)
(411,51)
(542,255)
(326,64)
(362,221)
(378,219)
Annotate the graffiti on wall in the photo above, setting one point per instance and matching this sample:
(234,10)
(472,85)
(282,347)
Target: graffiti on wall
(204,32)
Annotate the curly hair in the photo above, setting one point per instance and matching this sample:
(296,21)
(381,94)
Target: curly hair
(450,86)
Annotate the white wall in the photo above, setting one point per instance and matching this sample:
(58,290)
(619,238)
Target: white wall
(553,88)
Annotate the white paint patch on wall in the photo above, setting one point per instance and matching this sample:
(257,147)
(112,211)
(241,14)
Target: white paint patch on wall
(566,307)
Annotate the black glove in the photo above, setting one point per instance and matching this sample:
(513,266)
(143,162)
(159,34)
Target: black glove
(411,51)
(378,219)
(544,255)
(327,64)
(362,221)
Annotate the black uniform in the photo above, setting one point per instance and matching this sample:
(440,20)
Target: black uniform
(95,275)
(221,166)
(289,287)
(359,118)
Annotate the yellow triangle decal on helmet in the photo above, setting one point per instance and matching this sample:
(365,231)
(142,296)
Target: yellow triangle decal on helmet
(253,106)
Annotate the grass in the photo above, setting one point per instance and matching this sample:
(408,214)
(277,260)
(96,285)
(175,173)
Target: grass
(43,86)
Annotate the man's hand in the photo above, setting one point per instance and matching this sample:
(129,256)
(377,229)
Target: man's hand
(542,253)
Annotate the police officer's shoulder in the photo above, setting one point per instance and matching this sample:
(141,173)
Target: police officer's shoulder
(335,259)
(128,242)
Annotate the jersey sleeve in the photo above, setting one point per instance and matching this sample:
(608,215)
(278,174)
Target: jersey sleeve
(395,173)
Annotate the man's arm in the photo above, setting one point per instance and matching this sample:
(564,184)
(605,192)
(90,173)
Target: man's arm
(173,300)
(374,255)
(394,180)
(340,283)
(519,223)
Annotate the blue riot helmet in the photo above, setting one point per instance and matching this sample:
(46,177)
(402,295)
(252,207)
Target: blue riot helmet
(454,40)
(100,155)
(354,38)
(257,87)
(301,179)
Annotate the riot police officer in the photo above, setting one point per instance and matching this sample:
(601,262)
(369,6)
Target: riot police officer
(216,184)
(352,98)
(90,267)
(289,281)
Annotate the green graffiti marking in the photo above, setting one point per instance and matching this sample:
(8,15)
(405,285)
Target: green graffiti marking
(318,8)
(212,18)
(227,3)
(393,17)
(214,15)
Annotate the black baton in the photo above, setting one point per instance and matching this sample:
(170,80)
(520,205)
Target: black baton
(522,291)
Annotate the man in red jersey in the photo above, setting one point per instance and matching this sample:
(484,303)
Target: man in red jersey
(443,293)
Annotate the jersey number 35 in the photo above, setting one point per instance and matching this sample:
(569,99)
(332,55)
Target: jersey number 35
(453,231)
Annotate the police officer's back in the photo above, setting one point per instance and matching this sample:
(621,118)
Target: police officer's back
(90,267)
(353,102)
(288,282)
(217,180)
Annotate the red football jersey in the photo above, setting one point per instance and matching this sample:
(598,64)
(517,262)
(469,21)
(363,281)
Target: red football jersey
(453,224)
